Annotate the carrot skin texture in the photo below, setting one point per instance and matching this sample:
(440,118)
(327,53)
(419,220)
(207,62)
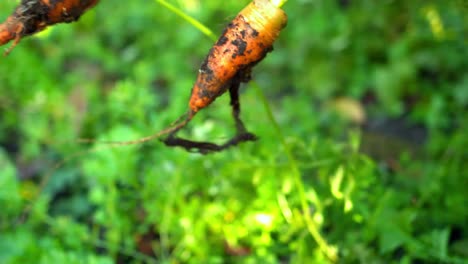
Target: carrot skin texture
(244,43)
(32,16)
(65,11)
(8,30)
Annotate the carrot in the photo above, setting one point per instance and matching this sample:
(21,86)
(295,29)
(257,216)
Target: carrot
(244,43)
(32,16)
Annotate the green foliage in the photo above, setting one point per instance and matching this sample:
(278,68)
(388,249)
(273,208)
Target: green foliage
(315,188)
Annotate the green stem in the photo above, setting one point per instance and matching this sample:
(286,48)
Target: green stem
(204,29)
(312,227)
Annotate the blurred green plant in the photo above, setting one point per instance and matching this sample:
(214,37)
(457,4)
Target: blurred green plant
(124,71)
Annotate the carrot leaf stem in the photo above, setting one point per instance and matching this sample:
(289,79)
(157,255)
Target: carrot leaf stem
(197,24)
(329,250)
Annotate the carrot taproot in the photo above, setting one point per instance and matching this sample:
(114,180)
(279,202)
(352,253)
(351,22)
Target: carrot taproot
(244,43)
(32,16)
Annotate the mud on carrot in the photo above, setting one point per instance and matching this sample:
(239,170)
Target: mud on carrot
(244,43)
(32,16)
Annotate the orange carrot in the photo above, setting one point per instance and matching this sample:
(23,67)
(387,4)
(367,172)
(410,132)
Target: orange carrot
(32,16)
(244,43)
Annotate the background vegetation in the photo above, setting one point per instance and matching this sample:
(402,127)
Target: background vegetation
(367,163)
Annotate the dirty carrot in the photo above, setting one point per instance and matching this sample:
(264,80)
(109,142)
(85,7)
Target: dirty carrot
(244,43)
(32,16)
